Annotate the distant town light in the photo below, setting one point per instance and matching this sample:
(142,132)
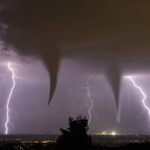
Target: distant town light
(113,133)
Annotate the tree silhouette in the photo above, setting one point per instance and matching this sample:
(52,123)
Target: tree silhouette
(75,137)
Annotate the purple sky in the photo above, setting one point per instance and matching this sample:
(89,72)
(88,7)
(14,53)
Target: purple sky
(31,114)
(54,47)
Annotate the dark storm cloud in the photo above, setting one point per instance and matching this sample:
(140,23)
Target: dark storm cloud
(114,32)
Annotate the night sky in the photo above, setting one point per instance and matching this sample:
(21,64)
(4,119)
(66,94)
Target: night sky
(61,49)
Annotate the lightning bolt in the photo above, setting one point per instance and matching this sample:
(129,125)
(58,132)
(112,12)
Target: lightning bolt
(128,104)
(9,96)
(142,93)
(90,99)
(89,103)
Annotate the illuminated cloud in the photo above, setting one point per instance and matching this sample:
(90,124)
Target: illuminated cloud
(113,37)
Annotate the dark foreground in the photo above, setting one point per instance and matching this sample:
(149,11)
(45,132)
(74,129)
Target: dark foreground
(52,146)
(47,142)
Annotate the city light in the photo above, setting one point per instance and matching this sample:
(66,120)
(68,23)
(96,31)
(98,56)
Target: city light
(113,133)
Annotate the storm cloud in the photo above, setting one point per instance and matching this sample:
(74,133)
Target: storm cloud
(114,34)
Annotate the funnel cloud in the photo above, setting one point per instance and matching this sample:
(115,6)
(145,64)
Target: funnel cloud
(114,33)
